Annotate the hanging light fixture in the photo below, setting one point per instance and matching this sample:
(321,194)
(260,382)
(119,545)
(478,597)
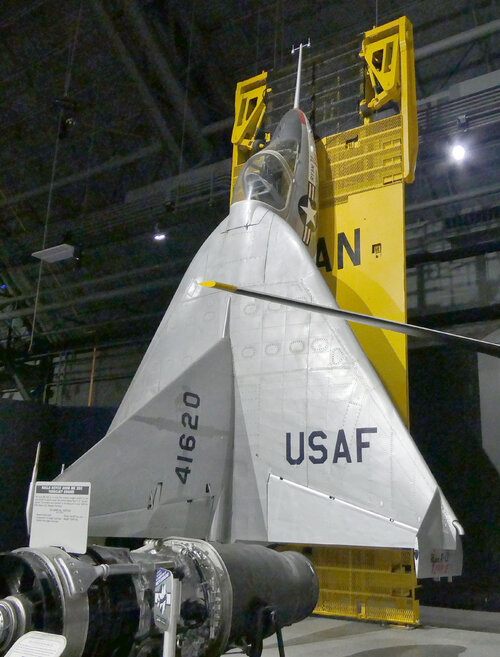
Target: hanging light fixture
(159,233)
(55,253)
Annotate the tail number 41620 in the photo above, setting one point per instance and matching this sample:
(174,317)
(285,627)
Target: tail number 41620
(187,443)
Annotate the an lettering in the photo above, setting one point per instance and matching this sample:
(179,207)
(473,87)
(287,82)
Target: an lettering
(343,244)
(322,258)
(354,254)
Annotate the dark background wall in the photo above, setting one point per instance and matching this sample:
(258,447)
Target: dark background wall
(445,424)
(65,434)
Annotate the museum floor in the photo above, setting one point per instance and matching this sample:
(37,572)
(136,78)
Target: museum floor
(443,633)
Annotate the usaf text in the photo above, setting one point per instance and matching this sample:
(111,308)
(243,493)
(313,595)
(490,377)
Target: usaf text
(317,444)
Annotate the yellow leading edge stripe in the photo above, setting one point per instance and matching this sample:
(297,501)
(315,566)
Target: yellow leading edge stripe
(219,286)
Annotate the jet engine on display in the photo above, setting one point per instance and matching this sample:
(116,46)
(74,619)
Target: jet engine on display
(249,423)
(202,598)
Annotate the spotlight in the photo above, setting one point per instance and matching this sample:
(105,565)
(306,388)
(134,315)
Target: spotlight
(159,234)
(458,152)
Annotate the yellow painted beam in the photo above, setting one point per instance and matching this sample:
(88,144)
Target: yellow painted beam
(361,246)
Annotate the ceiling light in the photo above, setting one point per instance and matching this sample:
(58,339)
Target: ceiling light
(458,152)
(159,234)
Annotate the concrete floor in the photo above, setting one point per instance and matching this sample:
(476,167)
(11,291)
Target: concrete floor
(444,633)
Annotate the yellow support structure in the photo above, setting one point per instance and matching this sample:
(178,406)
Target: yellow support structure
(367,584)
(373,584)
(361,245)
(249,106)
(390,76)
(361,253)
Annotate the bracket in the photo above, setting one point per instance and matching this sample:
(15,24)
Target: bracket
(249,106)
(390,76)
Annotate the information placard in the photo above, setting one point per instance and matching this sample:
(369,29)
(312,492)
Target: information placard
(61,515)
(38,644)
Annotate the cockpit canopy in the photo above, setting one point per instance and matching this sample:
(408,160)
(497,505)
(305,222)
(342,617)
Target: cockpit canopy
(267,176)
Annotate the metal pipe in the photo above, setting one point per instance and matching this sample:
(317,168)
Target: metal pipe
(71,381)
(220,84)
(104,324)
(11,370)
(115,344)
(113,163)
(130,65)
(464,342)
(109,278)
(296,99)
(92,372)
(12,280)
(161,67)
(454,198)
(100,296)
(218,126)
(105,378)
(457,40)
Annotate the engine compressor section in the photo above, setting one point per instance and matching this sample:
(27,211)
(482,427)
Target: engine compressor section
(176,597)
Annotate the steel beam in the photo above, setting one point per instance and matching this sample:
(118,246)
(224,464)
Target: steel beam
(478,85)
(16,280)
(219,126)
(217,80)
(148,98)
(109,278)
(175,93)
(104,324)
(113,163)
(454,198)
(448,255)
(11,370)
(456,40)
(90,298)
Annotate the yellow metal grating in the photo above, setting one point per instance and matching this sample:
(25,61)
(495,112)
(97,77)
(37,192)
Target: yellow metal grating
(365,583)
(362,158)
(368,583)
